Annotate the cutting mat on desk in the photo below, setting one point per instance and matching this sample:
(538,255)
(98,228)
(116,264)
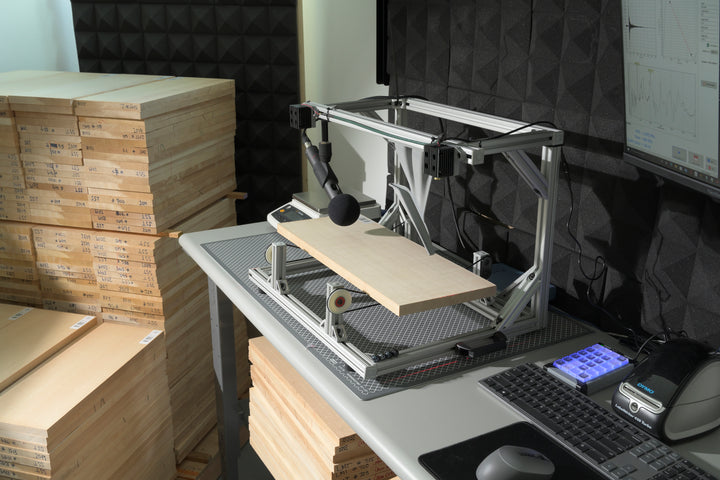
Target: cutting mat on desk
(373,328)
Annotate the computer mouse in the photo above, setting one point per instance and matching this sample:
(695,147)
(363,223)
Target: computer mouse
(511,462)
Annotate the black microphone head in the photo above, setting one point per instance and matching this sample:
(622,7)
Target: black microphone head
(343,209)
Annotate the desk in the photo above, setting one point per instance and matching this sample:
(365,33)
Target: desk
(398,427)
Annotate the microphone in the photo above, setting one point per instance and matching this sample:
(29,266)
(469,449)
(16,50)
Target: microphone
(343,209)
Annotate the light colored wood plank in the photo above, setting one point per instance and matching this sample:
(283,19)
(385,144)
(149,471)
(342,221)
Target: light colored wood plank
(35,336)
(75,389)
(396,272)
(152,99)
(56,94)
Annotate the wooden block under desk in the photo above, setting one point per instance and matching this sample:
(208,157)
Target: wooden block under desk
(393,270)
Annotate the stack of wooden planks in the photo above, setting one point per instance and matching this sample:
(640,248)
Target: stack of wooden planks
(295,432)
(19,276)
(50,143)
(157,152)
(148,280)
(64,263)
(29,335)
(96,409)
(110,169)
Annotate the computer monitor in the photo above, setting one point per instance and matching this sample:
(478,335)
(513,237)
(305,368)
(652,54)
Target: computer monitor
(671,70)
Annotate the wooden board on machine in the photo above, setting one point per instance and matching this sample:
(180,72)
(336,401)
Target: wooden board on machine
(28,336)
(396,272)
(108,387)
(287,415)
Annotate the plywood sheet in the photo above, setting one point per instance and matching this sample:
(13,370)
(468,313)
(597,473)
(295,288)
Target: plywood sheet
(29,336)
(396,272)
(152,99)
(76,389)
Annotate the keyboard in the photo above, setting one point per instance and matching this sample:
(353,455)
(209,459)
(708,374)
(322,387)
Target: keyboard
(613,446)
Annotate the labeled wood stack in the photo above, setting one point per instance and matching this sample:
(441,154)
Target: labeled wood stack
(295,432)
(64,262)
(98,409)
(50,143)
(12,175)
(126,161)
(149,280)
(19,277)
(158,152)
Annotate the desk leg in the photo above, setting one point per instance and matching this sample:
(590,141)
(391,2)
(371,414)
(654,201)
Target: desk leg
(223,350)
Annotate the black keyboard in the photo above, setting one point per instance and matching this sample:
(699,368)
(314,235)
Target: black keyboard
(613,446)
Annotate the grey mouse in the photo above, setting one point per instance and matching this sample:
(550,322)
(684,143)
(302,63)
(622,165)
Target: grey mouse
(511,462)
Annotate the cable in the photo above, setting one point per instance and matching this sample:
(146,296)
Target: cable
(454,213)
(599,260)
(539,122)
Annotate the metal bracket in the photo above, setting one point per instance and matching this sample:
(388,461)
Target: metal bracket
(278,273)
(406,210)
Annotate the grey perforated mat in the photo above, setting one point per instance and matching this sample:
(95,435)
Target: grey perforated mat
(371,327)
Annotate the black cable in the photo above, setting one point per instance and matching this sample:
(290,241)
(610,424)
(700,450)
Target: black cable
(454,213)
(539,122)
(599,260)
(363,307)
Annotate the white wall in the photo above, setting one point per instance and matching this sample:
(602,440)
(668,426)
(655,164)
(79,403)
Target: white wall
(37,35)
(339,65)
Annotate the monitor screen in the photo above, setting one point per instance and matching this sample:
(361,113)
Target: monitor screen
(670,56)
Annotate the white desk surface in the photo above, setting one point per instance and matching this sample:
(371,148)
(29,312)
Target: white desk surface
(402,426)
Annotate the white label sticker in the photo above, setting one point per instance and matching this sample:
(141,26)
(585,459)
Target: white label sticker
(21,313)
(150,337)
(82,322)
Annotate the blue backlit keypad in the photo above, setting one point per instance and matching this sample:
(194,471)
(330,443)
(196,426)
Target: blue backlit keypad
(590,363)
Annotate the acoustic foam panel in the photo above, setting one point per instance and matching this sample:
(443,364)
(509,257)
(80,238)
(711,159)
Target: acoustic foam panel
(560,61)
(252,42)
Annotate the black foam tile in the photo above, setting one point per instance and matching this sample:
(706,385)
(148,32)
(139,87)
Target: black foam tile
(178,18)
(129,18)
(283,21)
(230,49)
(110,66)
(256,20)
(256,49)
(203,19)
(155,46)
(132,46)
(87,44)
(109,45)
(106,19)
(229,19)
(180,47)
(154,18)
(83,17)
(204,48)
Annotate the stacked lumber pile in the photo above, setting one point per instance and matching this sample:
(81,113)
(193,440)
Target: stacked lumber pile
(148,280)
(157,152)
(64,263)
(110,169)
(19,276)
(295,432)
(50,143)
(96,409)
